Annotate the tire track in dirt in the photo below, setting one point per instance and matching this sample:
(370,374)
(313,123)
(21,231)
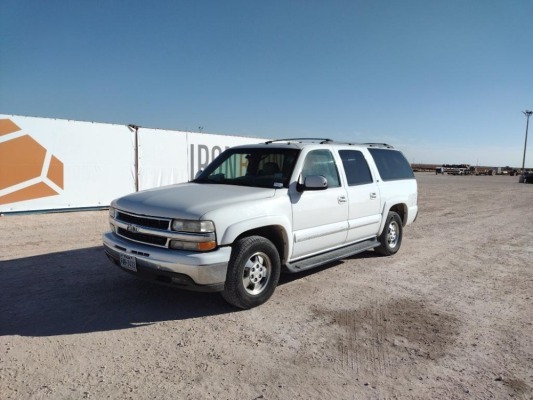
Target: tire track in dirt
(361,341)
(64,354)
(377,339)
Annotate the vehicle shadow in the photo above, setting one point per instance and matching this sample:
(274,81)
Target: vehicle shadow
(80,291)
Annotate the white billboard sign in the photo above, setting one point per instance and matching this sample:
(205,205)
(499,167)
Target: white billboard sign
(50,164)
(204,148)
(162,157)
(56,164)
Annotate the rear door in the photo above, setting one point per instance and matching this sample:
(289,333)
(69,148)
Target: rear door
(364,214)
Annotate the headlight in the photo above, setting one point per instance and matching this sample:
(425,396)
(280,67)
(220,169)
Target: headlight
(112,212)
(182,225)
(205,239)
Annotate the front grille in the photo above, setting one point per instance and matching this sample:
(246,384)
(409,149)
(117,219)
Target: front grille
(143,237)
(156,223)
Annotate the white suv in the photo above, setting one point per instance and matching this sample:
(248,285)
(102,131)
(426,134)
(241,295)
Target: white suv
(289,204)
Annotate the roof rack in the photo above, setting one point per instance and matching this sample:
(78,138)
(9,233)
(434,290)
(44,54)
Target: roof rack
(388,146)
(321,140)
(324,141)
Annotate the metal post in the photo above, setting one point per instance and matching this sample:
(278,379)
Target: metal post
(527,113)
(136,158)
(135,128)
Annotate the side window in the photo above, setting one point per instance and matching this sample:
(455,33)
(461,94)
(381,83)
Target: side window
(321,162)
(356,167)
(392,164)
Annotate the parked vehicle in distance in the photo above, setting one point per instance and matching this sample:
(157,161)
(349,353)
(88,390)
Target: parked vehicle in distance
(290,204)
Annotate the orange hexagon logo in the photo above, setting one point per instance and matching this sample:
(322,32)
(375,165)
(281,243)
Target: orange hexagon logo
(27,170)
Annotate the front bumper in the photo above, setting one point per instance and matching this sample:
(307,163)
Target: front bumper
(188,270)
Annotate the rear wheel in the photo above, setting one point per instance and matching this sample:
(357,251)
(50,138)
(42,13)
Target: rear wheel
(253,272)
(391,237)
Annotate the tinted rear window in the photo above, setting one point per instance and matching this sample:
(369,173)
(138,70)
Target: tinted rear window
(391,164)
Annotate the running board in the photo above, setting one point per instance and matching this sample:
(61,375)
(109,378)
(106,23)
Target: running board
(324,258)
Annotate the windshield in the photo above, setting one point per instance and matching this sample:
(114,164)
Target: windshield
(260,167)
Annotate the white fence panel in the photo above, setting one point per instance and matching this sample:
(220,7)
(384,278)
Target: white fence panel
(58,164)
(162,157)
(50,164)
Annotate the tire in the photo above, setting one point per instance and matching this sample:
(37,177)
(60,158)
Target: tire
(253,272)
(391,237)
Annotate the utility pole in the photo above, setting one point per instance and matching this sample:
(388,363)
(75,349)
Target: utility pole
(527,113)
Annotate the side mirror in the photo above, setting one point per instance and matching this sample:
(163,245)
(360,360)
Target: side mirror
(313,182)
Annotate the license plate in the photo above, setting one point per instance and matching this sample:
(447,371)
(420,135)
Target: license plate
(128,262)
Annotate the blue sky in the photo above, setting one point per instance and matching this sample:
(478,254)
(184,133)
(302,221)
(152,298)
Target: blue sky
(444,81)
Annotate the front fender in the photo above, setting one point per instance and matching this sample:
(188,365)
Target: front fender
(233,231)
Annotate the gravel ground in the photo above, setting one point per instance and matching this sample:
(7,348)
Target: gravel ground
(449,317)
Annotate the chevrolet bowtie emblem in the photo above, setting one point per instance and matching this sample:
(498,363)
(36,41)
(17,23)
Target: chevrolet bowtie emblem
(132,228)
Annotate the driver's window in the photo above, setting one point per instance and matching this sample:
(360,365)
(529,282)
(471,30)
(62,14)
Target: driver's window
(321,162)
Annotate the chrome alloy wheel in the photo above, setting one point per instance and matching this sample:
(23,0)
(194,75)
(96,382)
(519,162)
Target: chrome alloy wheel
(257,271)
(392,234)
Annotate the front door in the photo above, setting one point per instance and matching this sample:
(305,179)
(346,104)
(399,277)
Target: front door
(320,217)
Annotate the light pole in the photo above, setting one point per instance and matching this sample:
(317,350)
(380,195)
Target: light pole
(527,113)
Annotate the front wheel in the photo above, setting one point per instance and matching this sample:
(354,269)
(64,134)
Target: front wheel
(391,237)
(253,272)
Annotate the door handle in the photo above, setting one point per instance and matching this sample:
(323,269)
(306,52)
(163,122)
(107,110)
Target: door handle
(373,196)
(341,199)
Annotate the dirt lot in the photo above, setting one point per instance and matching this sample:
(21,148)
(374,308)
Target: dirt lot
(449,317)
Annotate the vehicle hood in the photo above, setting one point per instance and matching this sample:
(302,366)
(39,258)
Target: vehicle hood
(188,200)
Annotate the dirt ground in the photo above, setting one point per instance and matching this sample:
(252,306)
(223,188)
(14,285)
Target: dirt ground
(449,317)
